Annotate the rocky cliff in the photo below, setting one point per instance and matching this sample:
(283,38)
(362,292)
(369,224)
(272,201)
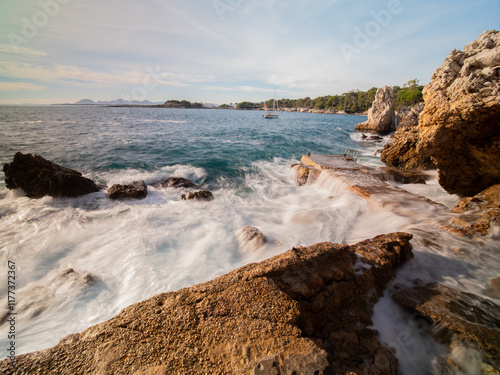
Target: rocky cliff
(460,124)
(306,311)
(381,116)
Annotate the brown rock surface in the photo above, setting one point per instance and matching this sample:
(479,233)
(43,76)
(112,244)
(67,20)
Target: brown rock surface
(460,124)
(306,174)
(306,311)
(381,116)
(401,150)
(135,190)
(478,213)
(473,318)
(39,177)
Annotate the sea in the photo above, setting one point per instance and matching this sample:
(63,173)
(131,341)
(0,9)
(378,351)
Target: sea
(79,261)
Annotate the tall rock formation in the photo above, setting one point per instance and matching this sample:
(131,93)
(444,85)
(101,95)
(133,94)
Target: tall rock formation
(306,311)
(381,116)
(401,150)
(460,125)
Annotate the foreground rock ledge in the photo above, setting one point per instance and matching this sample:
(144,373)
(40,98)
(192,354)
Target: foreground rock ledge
(306,311)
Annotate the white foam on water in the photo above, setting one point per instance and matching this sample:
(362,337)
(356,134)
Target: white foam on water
(137,249)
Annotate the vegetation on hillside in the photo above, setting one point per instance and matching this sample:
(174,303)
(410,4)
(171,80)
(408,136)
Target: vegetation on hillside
(353,101)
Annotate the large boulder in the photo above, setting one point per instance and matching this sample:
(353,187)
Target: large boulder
(401,150)
(473,318)
(460,124)
(381,116)
(306,311)
(251,238)
(135,190)
(39,177)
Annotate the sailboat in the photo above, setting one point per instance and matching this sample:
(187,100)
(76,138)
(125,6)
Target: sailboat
(272,114)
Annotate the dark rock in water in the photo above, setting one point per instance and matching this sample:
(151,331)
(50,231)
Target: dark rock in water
(39,177)
(473,318)
(176,182)
(135,190)
(198,195)
(251,237)
(305,311)
(375,138)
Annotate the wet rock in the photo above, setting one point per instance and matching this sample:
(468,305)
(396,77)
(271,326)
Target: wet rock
(39,177)
(135,190)
(405,177)
(473,318)
(460,124)
(381,116)
(251,238)
(477,214)
(198,195)
(177,183)
(305,311)
(306,174)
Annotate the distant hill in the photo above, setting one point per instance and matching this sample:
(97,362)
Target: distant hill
(116,102)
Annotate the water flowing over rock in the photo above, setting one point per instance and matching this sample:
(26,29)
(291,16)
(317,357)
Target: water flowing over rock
(401,150)
(306,174)
(39,177)
(306,311)
(381,116)
(135,190)
(250,238)
(460,124)
(203,195)
(473,318)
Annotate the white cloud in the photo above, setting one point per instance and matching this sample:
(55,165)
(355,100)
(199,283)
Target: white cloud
(19,86)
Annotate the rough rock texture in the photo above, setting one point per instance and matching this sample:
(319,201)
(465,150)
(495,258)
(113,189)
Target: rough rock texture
(407,117)
(250,237)
(401,150)
(176,182)
(460,124)
(473,318)
(39,177)
(306,311)
(135,190)
(381,116)
(199,195)
(306,174)
(478,213)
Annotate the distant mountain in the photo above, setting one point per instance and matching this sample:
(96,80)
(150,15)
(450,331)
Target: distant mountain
(116,102)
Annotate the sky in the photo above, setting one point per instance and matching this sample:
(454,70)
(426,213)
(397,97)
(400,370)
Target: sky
(226,51)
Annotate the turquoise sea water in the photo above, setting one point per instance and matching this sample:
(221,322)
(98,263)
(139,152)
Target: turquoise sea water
(136,249)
